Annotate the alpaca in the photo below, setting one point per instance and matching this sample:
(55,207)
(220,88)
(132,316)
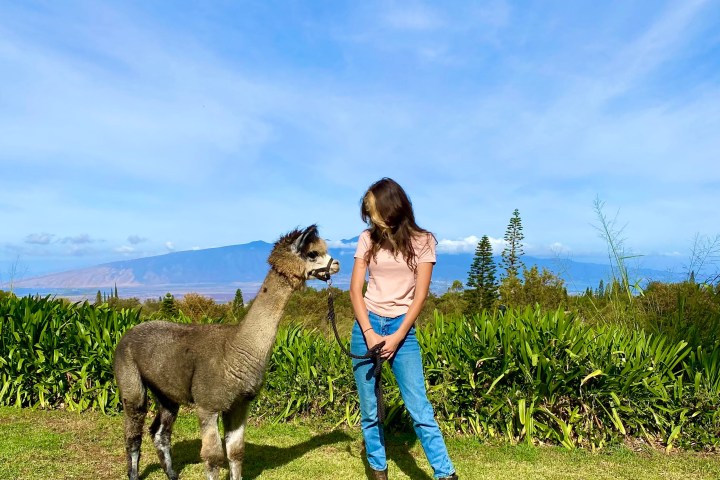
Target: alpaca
(217,368)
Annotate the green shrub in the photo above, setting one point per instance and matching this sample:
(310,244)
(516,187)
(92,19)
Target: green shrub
(683,311)
(57,354)
(201,309)
(308,307)
(547,376)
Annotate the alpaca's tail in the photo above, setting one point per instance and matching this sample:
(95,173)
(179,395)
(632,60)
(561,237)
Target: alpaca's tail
(127,375)
(134,401)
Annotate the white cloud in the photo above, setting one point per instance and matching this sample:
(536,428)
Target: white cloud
(656,45)
(81,251)
(559,248)
(170,246)
(468,245)
(417,18)
(464,245)
(125,249)
(39,238)
(79,239)
(341,244)
(77,108)
(135,239)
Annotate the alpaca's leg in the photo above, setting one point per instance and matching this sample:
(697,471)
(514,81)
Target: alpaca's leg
(212,450)
(161,431)
(234,423)
(134,399)
(134,421)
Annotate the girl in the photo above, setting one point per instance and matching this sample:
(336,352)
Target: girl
(399,257)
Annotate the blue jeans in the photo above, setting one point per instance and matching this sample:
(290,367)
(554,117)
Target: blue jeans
(408,370)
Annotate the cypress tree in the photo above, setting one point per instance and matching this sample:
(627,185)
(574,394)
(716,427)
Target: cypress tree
(600,292)
(482,285)
(238,304)
(168,307)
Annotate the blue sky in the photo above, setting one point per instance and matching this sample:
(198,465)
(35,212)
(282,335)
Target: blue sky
(130,129)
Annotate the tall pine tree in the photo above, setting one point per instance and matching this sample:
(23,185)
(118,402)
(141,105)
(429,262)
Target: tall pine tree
(168,306)
(238,305)
(513,246)
(482,290)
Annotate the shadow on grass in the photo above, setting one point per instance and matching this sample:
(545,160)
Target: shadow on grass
(398,448)
(257,457)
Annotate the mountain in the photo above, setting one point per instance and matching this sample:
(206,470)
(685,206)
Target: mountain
(218,272)
(235,263)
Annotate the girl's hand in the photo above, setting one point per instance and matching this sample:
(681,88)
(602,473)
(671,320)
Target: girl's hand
(391,345)
(372,338)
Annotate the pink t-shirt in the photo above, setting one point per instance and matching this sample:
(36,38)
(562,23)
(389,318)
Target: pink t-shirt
(391,283)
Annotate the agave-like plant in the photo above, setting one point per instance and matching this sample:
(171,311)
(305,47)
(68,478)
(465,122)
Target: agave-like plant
(57,354)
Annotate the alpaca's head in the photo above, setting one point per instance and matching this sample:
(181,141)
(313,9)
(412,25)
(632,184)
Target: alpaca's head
(300,253)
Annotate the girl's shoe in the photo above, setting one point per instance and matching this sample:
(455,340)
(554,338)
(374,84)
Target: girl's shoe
(451,477)
(380,474)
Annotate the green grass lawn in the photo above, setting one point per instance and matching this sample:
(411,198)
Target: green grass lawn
(62,445)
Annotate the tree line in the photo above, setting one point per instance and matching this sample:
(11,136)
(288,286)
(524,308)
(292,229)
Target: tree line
(686,310)
(516,285)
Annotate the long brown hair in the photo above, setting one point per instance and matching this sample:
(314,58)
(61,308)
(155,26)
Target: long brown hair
(388,212)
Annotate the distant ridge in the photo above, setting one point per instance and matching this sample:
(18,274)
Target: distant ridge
(220,270)
(235,263)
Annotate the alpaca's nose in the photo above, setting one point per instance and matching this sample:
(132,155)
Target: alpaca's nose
(334,267)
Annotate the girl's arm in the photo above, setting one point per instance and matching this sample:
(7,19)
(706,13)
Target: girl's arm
(357,281)
(422,286)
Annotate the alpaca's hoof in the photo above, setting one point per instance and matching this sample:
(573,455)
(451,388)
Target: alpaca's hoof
(212,473)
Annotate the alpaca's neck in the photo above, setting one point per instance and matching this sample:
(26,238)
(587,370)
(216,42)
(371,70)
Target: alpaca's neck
(253,341)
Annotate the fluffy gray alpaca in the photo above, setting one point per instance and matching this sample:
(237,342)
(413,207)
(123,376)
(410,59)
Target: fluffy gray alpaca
(217,368)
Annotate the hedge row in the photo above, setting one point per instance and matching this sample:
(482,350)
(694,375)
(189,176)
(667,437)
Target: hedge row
(524,375)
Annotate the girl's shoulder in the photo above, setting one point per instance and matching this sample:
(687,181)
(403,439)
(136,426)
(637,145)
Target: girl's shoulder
(424,238)
(364,237)
(363,243)
(424,246)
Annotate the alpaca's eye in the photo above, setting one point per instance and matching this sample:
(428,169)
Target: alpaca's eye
(312,255)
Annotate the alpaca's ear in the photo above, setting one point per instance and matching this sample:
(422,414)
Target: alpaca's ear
(307,236)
